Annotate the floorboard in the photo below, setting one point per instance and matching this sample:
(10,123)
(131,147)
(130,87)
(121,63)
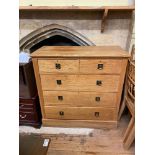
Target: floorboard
(98,142)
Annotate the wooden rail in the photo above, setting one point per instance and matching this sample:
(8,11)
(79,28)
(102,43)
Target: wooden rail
(82,8)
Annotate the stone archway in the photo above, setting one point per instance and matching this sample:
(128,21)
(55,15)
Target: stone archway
(48,31)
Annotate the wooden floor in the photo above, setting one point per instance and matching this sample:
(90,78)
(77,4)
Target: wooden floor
(99,142)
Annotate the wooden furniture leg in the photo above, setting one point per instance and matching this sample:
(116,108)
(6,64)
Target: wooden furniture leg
(130,138)
(127,132)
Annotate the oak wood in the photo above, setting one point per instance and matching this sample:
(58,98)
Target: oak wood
(110,83)
(80,51)
(39,88)
(71,98)
(80,123)
(80,113)
(110,66)
(79,83)
(66,66)
(121,82)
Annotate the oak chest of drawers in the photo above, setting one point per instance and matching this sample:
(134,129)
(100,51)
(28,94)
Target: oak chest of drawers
(80,86)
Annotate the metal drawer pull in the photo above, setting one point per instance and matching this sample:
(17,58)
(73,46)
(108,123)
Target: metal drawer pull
(96,114)
(60,98)
(23,116)
(99,82)
(21,105)
(61,113)
(58,66)
(97,99)
(100,66)
(59,82)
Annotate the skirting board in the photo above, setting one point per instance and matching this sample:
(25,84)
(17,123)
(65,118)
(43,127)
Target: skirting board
(80,123)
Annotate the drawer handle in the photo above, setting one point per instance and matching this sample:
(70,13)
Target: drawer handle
(100,66)
(61,113)
(97,99)
(96,114)
(23,116)
(58,66)
(99,82)
(59,82)
(21,105)
(60,98)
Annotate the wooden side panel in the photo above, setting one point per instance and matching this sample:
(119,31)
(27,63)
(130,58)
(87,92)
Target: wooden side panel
(87,113)
(58,66)
(121,82)
(100,66)
(87,99)
(109,83)
(39,88)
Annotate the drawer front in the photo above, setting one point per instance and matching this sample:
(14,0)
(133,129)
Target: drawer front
(59,82)
(84,113)
(99,83)
(95,99)
(85,99)
(25,116)
(58,66)
(26,107)
(100,66)
(57,98)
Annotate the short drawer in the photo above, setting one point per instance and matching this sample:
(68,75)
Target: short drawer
(59,82)
(58,66)
(100,66)
(82,113)
(26,107)
(63,98)
(28,116)
(98,83)
(79,99)
(97,99)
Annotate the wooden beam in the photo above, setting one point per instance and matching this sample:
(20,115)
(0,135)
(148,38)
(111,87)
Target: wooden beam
(72,8)
(105,14)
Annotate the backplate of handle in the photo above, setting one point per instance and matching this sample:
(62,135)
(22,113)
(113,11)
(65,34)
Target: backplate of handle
(59,82)
(61,113)
(99,82)
(60,98)
(97,114)
(58,66)
(97,98)
(100,66)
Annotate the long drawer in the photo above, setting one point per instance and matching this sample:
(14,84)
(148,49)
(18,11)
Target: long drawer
(80,113)
(98,83)
(85,99)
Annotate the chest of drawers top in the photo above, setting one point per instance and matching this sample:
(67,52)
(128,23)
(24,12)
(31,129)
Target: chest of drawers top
(80,52)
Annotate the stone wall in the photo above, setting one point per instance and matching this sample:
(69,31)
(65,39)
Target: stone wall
(88,23)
